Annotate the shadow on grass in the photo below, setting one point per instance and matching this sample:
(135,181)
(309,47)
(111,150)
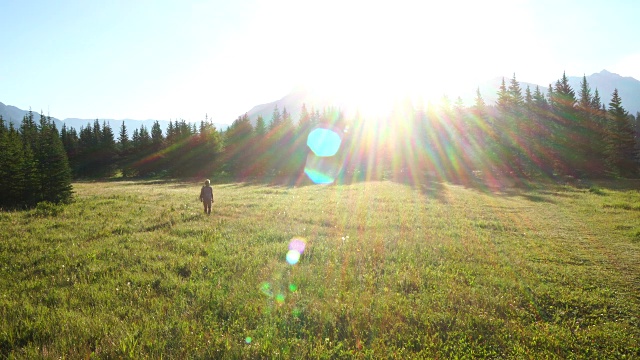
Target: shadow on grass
(532,189)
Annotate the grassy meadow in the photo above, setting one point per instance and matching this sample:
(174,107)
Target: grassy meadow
(134,269)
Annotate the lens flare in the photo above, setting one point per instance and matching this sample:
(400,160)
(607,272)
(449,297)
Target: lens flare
(296,248)
(280,298)
(324,142)
(265,288)
(323,165)
(322,170)
(293,256)
(248,339)
(293,287)
(297,244)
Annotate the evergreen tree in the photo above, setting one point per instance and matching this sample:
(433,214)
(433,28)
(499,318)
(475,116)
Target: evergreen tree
(514,93)
(28,130)
(503,101)
(108,150)
(261,128)
(53,166)
(590,132)
(567,129)
(144,138)
(276,119)
(621,150)
(156,136)
(585,100)
(304,122)
(71,142)
(238,146)
(528,97)
(479,105)
(124,146)
(519,141)
(13,163)
(543,129)
(315,117)
(171,133)
(5,162)
(539,99)
(123,139)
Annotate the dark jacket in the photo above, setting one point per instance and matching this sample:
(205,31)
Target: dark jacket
(206,194)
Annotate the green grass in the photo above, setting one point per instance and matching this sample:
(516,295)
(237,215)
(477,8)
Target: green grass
(136,270)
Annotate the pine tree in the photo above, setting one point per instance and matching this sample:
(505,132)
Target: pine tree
(276,119)
(261,128)
(514,92)
(621,151)
(5,161)
(585,100)
(543,128)
(503,101)
(108,150)
(53,166)
(238,146)
(479,105)
(145,138)
(539,99)
(171,135)
(304,122)
(567,130)
(12,165)
(591,133)
(28,130)
(528,97)
(27,181)
(123,139)
(520,141)
(156,136)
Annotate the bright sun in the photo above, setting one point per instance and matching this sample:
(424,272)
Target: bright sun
(380,53)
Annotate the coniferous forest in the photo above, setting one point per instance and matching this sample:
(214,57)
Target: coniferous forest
(558,132)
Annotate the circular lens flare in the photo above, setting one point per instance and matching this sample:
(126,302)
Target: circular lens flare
(297,244)
(293,256)
(323,164)
(324,142)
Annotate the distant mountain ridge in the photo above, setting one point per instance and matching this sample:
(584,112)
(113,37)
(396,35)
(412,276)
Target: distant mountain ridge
(604,81)
(12,114)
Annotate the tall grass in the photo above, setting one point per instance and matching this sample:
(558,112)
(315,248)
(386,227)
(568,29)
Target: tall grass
(137,270)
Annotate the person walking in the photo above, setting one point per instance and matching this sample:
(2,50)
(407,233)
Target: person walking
(206,196)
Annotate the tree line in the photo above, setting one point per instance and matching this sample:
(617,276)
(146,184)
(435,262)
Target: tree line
(550,132)
(33,163)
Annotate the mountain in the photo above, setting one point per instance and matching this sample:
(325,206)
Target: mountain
(14,115)
(604,81)
(293,103)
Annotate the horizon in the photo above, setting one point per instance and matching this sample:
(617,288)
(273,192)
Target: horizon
(350,109)
(182,61)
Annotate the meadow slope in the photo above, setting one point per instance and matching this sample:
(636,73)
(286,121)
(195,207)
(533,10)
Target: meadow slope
(134,269)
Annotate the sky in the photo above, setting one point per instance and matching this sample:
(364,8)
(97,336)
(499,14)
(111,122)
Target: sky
(187,59)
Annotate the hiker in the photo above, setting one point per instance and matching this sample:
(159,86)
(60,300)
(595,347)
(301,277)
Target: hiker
(206,196)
